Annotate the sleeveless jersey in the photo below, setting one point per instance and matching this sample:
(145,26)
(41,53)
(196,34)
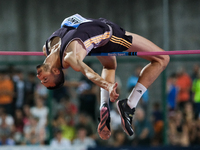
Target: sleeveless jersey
(97,35)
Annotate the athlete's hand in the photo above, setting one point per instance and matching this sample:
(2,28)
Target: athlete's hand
(112,92)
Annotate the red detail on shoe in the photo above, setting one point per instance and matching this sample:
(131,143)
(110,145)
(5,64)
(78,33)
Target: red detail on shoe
(103,130)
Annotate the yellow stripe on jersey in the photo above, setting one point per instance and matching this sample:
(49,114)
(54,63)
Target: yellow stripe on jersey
(120,41)
(96,39)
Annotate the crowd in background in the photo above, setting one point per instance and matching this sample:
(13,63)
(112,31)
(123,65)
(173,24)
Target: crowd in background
(27,117)
(183,92)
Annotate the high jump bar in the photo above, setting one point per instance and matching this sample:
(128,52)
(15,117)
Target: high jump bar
(180,52)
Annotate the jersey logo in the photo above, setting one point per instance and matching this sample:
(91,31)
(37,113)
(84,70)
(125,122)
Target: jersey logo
(74,21)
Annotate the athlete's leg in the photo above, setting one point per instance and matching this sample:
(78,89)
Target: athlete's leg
(157,63)
(108,73)
(147,76)
(151,71)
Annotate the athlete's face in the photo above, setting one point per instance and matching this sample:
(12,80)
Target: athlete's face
(45,75)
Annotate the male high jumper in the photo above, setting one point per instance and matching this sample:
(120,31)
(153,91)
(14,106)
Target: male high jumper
(77,38)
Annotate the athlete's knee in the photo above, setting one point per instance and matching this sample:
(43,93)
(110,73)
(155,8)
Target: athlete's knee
(167,59)
(164,61)
(108,62)
(112,65)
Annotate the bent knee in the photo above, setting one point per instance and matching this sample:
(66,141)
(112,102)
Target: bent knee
(112,65)
(108,62)
(164,61)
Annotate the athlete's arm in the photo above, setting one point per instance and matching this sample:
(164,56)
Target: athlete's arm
(77,64)
(95,78)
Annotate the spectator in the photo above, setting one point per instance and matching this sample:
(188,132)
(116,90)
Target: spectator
(40,111)
(189,119)
(6,128)
(10,70)
(27,114)
(18,126)
(30,85)
(116,119)
(70,110)
(197,131)
(83,140)
(194,133)
(59,93)
(68,132)
(19,89)
(6,120)
(132,80)
(157,120)
(5,138)
(63,91)
(59,141)
(183,82)
(196,92)
(143,128)
(188,113)
(195,71)
(6,92)
(87,95)
(172,92)
(34,133)
(33,140)
(41,91)
(66,90)
(85,121)
(178,130)
(119,138)
(118,80)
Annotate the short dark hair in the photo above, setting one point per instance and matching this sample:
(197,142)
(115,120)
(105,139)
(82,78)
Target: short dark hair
(59,81)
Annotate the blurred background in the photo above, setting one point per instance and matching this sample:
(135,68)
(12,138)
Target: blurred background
(168,115)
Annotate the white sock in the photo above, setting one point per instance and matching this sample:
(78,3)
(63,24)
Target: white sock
(104,97)
(135,95)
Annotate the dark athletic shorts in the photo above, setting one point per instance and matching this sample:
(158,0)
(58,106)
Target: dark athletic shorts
(104,36)
(98,36)
(118,42)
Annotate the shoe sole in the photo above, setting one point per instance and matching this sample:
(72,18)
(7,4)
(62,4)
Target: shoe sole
(103,130)
(122,120)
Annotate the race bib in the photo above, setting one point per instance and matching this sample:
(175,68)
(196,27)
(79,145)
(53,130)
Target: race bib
(74,21)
